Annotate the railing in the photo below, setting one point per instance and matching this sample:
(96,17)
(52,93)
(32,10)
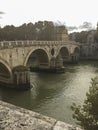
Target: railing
(11,44)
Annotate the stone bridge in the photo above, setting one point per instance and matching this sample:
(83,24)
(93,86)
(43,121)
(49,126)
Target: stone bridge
(17,56)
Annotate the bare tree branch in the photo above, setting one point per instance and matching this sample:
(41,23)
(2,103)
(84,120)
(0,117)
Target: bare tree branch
(2,12)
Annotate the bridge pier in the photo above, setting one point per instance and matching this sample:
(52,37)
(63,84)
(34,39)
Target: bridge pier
(74,58)
(21,77)
(56,64)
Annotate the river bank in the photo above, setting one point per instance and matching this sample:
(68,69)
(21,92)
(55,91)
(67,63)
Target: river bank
(16,118)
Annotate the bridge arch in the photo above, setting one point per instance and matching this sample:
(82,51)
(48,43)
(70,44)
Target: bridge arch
(37,57)
(75,55)
(76,50)
(64,54)
(5,70)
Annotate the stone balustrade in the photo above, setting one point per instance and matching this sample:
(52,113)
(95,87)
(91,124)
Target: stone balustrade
(11,44)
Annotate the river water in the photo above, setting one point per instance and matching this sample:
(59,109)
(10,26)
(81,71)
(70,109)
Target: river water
(53,94)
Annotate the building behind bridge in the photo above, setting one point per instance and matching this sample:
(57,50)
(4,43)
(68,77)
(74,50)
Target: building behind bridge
(88,45)
(89,50)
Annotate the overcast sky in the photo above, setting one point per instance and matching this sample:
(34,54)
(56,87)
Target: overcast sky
(70,12)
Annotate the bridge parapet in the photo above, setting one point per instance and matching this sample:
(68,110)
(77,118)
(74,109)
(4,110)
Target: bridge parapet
(11,44)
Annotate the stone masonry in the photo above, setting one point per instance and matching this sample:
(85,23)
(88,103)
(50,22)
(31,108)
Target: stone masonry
(16,118)
(14,57)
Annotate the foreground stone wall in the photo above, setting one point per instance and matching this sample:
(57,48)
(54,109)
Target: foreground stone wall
(16,118)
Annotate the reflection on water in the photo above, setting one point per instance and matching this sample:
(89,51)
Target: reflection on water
(53,94)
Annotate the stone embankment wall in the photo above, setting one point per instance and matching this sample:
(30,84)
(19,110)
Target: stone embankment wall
(16,118)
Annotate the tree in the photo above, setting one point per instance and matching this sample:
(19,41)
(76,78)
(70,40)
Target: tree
(41,30)
(87,114)
(48,31)
(79,36)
